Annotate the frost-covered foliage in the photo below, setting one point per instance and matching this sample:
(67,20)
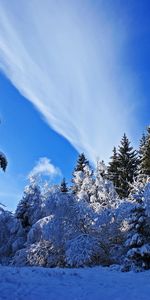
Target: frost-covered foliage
(83,250)
(94,187)
(12,236)
(138,239)
(29,209)
(84,225)
(78,174)
(103,191)
(58,221)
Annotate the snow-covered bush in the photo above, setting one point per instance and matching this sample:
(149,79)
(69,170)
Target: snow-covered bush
(84,250)
(6,219)
(12,236)
(111,230)
(84,227)
(41,253)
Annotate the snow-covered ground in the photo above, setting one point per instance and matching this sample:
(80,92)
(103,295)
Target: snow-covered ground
(73,284)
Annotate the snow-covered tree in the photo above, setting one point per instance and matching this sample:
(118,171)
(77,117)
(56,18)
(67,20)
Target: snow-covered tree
(29,208)
(141,150)
(127,167)
(12,237)
(104,191)
(145,154)
(78,173)
(83,250)
(87,187)
(63,186)
(65,218)
(138,239)
(113,168)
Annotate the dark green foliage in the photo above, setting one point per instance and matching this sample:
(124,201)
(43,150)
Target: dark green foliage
(141,146)
(81,162)
(144,154)
(63,186)
(3,162)
(128,162)
(22,212)
(113,167)
(123,167)
(28,209)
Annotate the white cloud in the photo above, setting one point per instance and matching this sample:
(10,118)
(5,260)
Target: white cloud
(46,168)
(68,60)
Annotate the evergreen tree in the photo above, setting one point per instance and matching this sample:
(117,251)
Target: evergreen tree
(105,193)
(79,172)
(141,146)
(3,161)
(127,167)
(63,186)
(81,163)
(138,254)
(113,167)
(29,207)
(87,185)
(145,154)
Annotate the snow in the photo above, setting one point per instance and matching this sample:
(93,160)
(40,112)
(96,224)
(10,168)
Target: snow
(97,283)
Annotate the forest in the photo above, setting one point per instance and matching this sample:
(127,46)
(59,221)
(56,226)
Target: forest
(101,218)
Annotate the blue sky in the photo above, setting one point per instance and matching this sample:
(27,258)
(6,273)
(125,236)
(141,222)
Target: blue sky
(25,137)
(86,69)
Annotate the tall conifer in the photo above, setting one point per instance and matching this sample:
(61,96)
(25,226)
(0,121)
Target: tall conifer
(145,155)
(112,170)
(127,169)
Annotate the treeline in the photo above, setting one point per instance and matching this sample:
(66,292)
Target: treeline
(102,218)
(125,164)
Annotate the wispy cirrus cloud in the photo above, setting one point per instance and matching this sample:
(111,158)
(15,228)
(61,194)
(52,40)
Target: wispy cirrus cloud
(68,60)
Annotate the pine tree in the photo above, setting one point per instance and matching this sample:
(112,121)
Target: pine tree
(81,163)
(138,240)
(105,193)
(141,146)
(3,161)
(127,167)
(113,167)
(28,209)
(78,174)
(145,154)
(63,186)
(87,185)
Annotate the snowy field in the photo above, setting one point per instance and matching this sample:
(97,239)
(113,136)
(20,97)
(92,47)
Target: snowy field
(73,284)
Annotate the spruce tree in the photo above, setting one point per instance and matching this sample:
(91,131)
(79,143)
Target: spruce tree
(87,185)
(145,154)
(78,174)
(138,240)
(105,193)
(113,167)
(123,167)
(141,146)
(3,161)
(29,208)
(81,163)
(63,186)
